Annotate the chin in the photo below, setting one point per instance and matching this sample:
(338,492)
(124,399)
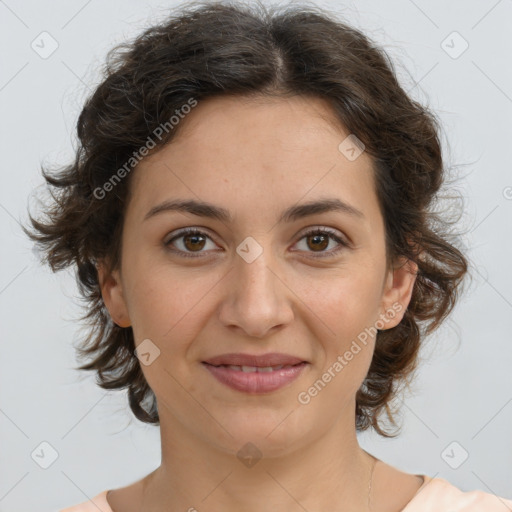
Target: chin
(266,435)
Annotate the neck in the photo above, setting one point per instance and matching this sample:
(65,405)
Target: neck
(329,473)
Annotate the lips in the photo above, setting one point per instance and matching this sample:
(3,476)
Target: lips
(249,360)
(256,379)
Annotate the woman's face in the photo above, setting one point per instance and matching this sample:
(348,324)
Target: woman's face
(256,283)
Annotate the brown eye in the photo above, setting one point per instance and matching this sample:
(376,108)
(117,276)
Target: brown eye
(191,241)
(317,240)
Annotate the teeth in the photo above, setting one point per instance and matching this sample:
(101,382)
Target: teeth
(252,369)
(267,369)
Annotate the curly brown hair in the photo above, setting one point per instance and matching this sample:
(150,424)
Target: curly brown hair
(210,49)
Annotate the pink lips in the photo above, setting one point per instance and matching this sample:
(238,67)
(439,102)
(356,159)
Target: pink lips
(256,376)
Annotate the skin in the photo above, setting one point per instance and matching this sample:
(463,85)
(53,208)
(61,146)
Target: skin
(257,157)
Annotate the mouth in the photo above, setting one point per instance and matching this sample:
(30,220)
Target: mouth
(256,379)
(253,369)
(256,374)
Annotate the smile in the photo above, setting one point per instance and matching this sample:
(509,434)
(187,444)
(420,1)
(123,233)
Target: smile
(256,379)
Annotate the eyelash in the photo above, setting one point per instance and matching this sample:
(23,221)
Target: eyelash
(317,231)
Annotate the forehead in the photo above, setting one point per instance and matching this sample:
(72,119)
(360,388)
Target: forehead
(237,149)
(270,118)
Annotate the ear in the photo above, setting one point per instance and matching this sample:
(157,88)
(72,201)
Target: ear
(397,292)
(113,296)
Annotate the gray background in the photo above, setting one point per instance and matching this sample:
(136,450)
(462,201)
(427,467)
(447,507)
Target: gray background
(463,390)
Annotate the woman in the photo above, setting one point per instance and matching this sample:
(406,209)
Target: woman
(250,216)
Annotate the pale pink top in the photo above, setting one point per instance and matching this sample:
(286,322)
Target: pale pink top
(435,495)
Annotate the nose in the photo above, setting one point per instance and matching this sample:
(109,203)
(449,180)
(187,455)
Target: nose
(256,300)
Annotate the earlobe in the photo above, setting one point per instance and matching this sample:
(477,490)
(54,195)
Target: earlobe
(113,296)
(398,291)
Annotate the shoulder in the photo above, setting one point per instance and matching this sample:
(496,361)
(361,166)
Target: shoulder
(438,492)
(99,502)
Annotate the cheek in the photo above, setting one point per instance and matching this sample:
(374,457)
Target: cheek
(347,303)
(166,312)
(350,312)
(167,305)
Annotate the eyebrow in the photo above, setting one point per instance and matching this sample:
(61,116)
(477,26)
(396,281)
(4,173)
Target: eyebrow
(204,209)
